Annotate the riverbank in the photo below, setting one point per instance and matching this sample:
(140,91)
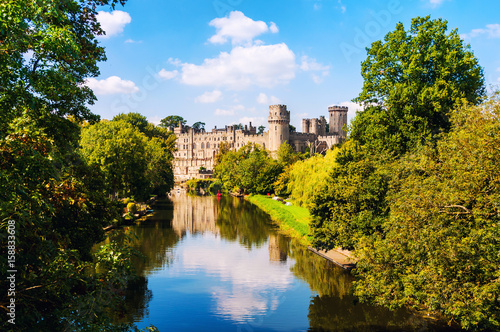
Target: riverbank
(292,220)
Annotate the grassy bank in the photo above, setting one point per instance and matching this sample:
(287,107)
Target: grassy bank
(293,220)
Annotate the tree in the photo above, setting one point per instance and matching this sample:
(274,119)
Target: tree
(132,163)
(440,245)
(172,121)
(411,82)
(260,130)
(137,120)
(292,129)
(48,49)
(199,125)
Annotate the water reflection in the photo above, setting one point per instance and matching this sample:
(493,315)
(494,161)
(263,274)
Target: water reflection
(221,265)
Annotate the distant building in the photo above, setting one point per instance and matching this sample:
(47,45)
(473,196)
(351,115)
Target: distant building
(197,148)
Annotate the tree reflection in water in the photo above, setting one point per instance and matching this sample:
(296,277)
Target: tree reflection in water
(331,306)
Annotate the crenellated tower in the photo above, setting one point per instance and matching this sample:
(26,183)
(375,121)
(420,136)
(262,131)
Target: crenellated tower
(279,126)
(338,119)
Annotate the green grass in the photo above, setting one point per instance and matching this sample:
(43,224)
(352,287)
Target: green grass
(292,219)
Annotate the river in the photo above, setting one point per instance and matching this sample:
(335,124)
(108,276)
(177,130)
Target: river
(221,265)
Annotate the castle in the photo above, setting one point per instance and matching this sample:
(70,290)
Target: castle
(196,149)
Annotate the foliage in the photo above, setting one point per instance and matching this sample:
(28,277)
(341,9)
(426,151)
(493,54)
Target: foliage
(260,130)
(224,147)
(199,125)
(132,208)
(351,203)
(195,184)
(306,177)
(132,163)
(412,81)
(440,245)
(47,191)
(139,121)
(250,168)
(172,121)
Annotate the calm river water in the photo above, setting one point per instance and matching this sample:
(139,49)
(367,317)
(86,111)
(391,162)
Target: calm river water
(220,265)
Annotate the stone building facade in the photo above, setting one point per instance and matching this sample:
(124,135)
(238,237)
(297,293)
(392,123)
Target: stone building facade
(197,148)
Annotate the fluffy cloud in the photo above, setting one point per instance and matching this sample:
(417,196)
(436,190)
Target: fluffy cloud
(209,97)
(256,121)
(435,3)
(260,65)
(111,85)
(491,31)
(231,111)
(167,75)
(239,29)
(318,71)
(262,98)
(114,22)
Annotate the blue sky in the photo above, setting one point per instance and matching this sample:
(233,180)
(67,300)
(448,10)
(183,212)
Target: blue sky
(225,61)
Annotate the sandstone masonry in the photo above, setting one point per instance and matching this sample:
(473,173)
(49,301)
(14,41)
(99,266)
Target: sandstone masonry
(197,148)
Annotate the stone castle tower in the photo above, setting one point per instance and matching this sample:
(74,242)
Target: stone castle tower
(338,119)
(279,126)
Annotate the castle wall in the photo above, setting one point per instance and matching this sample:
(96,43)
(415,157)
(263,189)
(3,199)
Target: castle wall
(198,148)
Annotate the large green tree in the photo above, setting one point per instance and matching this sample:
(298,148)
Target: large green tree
(47,192)
(132,163)
(440,245)
(172,121)
(412,80)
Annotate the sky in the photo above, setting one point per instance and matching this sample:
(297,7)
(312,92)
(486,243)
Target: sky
(224,62)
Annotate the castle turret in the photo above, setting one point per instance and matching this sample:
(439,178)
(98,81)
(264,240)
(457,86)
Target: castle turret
(305,125)
(338,119)
(279,126)
(322,126)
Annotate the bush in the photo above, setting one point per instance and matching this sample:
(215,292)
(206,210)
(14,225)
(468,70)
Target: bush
(132,208)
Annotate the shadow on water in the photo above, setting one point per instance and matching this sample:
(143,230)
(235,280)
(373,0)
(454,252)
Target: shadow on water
(331,307)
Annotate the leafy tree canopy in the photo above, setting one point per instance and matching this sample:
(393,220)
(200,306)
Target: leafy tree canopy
(172,121)
(440,245)
(199,125)
(411,82)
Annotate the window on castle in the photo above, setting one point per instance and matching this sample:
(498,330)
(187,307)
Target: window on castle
(202,145)
(194,146)
(208,145)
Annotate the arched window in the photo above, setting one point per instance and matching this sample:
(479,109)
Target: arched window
(194,145)
(202,145)
(208,145)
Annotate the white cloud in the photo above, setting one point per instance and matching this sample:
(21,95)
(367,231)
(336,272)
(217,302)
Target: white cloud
(262,98)
(491,30)
(114,22)
(131,41)
(273,28)
(222,112)
(256,121)
(343,8)
(239,29)
(167,75)
(318,71)
(435,3)
(317,6)
(260,65)
(209,97)
(111,85)
(231,111)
